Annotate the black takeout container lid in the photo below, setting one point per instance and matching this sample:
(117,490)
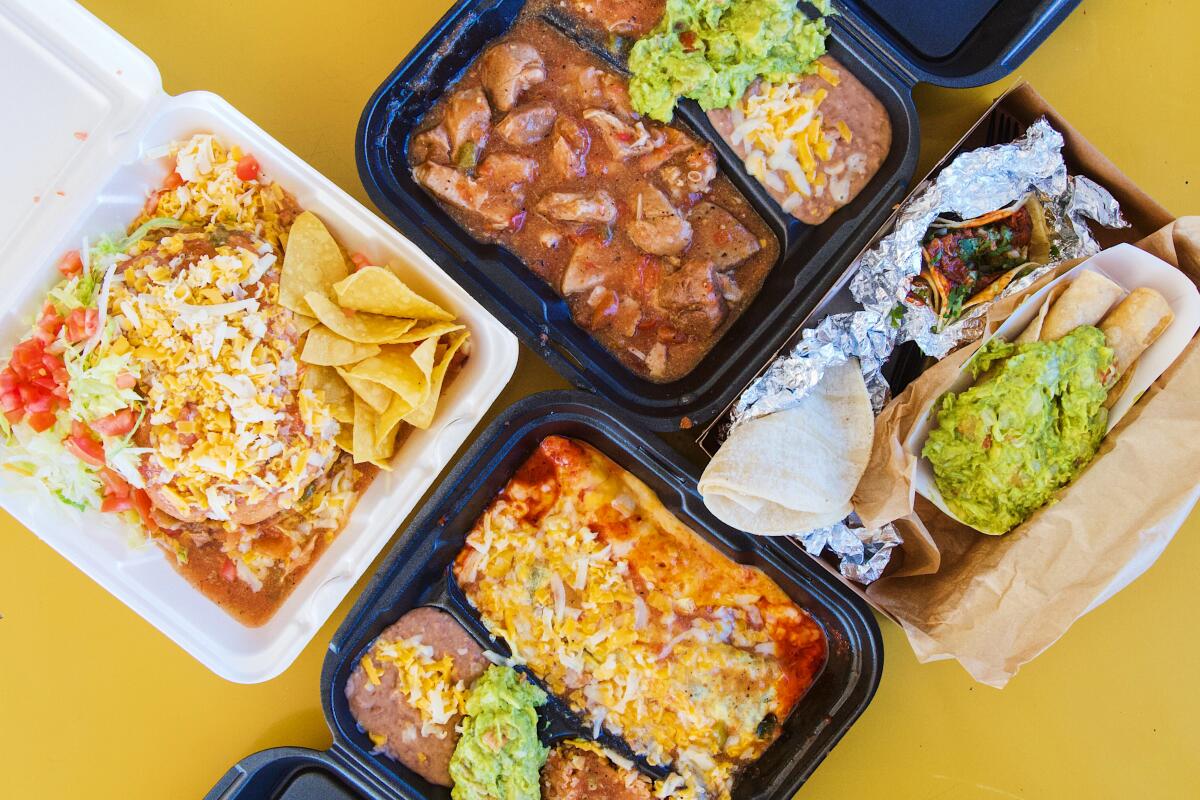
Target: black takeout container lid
(871,38)
(414,572)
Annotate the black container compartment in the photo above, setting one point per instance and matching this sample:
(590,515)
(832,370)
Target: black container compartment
(886,46)
(415,574)
(808,265)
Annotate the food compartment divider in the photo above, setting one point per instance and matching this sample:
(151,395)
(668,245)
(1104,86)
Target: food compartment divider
(414,574)
(811,261)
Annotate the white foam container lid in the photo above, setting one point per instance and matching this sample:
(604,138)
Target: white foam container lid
(74,165)
(1130,268)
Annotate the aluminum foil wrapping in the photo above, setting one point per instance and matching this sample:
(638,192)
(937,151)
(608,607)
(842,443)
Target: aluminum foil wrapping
(973,184)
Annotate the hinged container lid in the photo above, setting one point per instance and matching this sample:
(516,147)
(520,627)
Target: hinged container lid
(954,43)
(83,89)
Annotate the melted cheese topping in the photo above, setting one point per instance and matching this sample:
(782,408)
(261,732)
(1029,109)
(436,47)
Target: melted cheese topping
(212,193)
(219,374)
(427,684)
(788,140)
(631,617)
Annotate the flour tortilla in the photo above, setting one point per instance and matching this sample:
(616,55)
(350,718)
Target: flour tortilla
(795,470)
(1085,302)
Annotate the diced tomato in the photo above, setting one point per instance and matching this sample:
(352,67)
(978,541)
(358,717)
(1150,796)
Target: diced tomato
(83,446)
(115,504)
(41,421)
(150,208)
(49,323)
(14,416)
(118,423)
(70,264)
(126,381)
(82,323)
(228,570)
(141,504)
(37,402)
(10,400)
(173,180)
(27,357)
(247,168)
(114,484)
(688,40)
(360,260)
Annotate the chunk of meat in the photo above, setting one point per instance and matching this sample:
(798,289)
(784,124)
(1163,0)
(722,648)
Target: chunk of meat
(496,193)
(597,206)
(693,297)
(657,227)
(447,183)
(610,309)
(599,89)
(676,142)
(501,171)
(693,180)
(718,238)
(569,152)
(431,145)
(625,141)
(508,69)
(468,121)
(592,264)
(528,124)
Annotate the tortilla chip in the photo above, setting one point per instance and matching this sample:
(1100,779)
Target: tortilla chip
(324,347)
(432,330)
(397,368)
(377,396)
(378,291)
(361,328)
(312,262)
(422,416)
(303,323)
(345,436)
(367,446)
(389,421)
(338,396)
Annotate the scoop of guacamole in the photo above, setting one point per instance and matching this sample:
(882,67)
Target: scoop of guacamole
(498,756)
(1026,428)
(711,50)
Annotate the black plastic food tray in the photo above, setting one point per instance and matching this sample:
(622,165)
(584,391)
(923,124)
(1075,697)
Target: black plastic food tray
(414,574)
(995,36)
(807,268)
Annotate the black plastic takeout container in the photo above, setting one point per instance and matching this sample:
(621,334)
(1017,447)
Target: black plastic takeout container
(872,38)
(414,574)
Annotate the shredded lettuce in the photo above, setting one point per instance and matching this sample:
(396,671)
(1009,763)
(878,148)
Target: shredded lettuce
(93,382)
(42,456)
(77,292)
(145,228)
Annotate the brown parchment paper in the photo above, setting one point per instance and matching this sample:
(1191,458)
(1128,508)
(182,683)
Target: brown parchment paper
(995,602)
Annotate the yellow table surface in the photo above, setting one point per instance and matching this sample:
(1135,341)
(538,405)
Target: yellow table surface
(96,703)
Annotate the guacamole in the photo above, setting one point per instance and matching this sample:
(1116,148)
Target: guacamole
(1028,427)
(712,50)
(499,756)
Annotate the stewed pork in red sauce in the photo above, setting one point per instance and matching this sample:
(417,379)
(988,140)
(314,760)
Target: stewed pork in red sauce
(537,148)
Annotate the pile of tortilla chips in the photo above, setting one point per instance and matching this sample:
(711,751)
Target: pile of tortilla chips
(376,351)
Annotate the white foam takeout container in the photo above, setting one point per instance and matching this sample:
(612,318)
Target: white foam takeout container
(1128,267)
(73,165)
